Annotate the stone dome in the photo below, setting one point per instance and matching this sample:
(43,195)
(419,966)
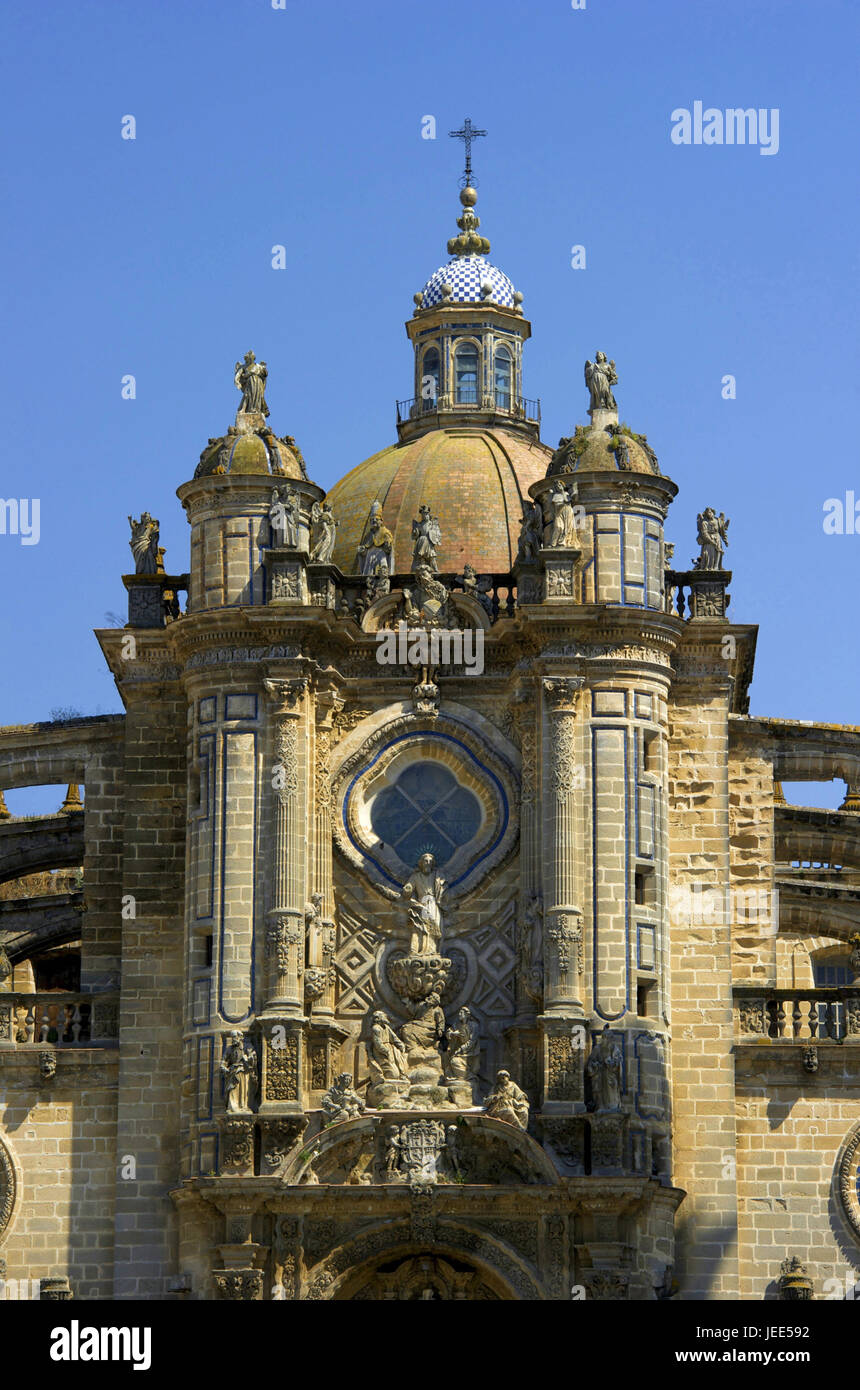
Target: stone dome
(252,451)
(471,280)
(597,447)
(473,479)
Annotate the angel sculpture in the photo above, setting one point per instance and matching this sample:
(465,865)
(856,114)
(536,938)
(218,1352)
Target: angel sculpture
(250,378)
(600,377)
(324,527)
(713,539)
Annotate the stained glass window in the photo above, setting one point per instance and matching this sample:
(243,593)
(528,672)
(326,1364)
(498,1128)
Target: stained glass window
(425,811)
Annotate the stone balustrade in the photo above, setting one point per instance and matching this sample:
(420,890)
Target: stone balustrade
(798,1015)
(697,593)
(58,1019)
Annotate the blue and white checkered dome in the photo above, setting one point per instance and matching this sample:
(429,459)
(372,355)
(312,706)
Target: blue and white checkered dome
(473,280)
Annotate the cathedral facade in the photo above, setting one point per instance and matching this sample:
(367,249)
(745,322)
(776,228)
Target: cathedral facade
(432,925)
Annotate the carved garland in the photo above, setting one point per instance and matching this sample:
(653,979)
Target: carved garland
(8,1187)
(847,1178)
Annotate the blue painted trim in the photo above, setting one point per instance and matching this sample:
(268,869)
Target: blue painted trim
(238,1018)
(241,695)
(448,738)
(650,1112)
(207,756)
(596,729)
(201,1041)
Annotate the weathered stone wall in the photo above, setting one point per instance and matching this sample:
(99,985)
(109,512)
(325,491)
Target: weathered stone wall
(702,1024)
(790,1131)
(61,1137)
(152,991)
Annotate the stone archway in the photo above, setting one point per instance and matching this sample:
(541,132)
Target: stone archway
(421,1277)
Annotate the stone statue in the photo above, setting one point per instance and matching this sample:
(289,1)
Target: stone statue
(392,1153)
(604,1068)
(250,378)
(477,589)
(386,1054)
(377,543)
(564,459)
(284,518)
(427,604)
(144,544)
(324,528)
(507,1102)
(712,538)
(463,1057)
(530,951)
(426,1029)
(600,377)
(239,1069)
(340,1101)
(427,534)
(423,894)
(562,524)
(531,533)
(378,582)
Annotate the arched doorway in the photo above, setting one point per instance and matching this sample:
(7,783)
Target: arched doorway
(421,1278)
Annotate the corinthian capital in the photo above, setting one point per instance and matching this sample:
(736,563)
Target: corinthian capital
(286,694)
(561,693)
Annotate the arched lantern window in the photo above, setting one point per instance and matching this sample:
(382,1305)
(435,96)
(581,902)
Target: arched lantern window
(430,369)
(466,374)
(503,378)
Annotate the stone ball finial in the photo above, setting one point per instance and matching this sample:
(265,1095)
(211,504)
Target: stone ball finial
(468,197)
(418,299)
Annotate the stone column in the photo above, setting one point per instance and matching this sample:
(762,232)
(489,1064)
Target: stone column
(321,942)
(285,934)
(562,915)
(562,1022)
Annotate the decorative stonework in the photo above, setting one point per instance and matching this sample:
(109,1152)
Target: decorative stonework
(848,1174)
(239,1285)
(282,1069)
(8,1188)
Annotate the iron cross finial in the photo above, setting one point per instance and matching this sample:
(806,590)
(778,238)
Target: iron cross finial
(467,134)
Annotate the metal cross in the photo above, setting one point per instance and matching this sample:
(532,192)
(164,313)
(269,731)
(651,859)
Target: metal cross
(467,135)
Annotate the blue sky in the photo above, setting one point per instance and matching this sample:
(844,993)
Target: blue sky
(302,127)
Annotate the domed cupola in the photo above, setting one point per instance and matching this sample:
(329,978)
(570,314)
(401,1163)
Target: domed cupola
(251,445)
(469,278)
(467,333)
(468,442)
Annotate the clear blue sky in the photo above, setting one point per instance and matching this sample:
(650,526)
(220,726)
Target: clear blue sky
(302,126)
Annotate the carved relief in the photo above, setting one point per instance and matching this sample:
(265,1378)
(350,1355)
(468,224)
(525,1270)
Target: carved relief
(237,1145)
(8,1187)
(282,1070)
(239,1285)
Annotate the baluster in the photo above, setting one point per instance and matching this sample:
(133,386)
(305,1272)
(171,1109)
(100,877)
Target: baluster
(831,1027)
(812,1019)
(45,1026)
(76,1023)
(510,605)
(796,1018)
(772,1024)
(30,1024)
(780,1019)
(495,603)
